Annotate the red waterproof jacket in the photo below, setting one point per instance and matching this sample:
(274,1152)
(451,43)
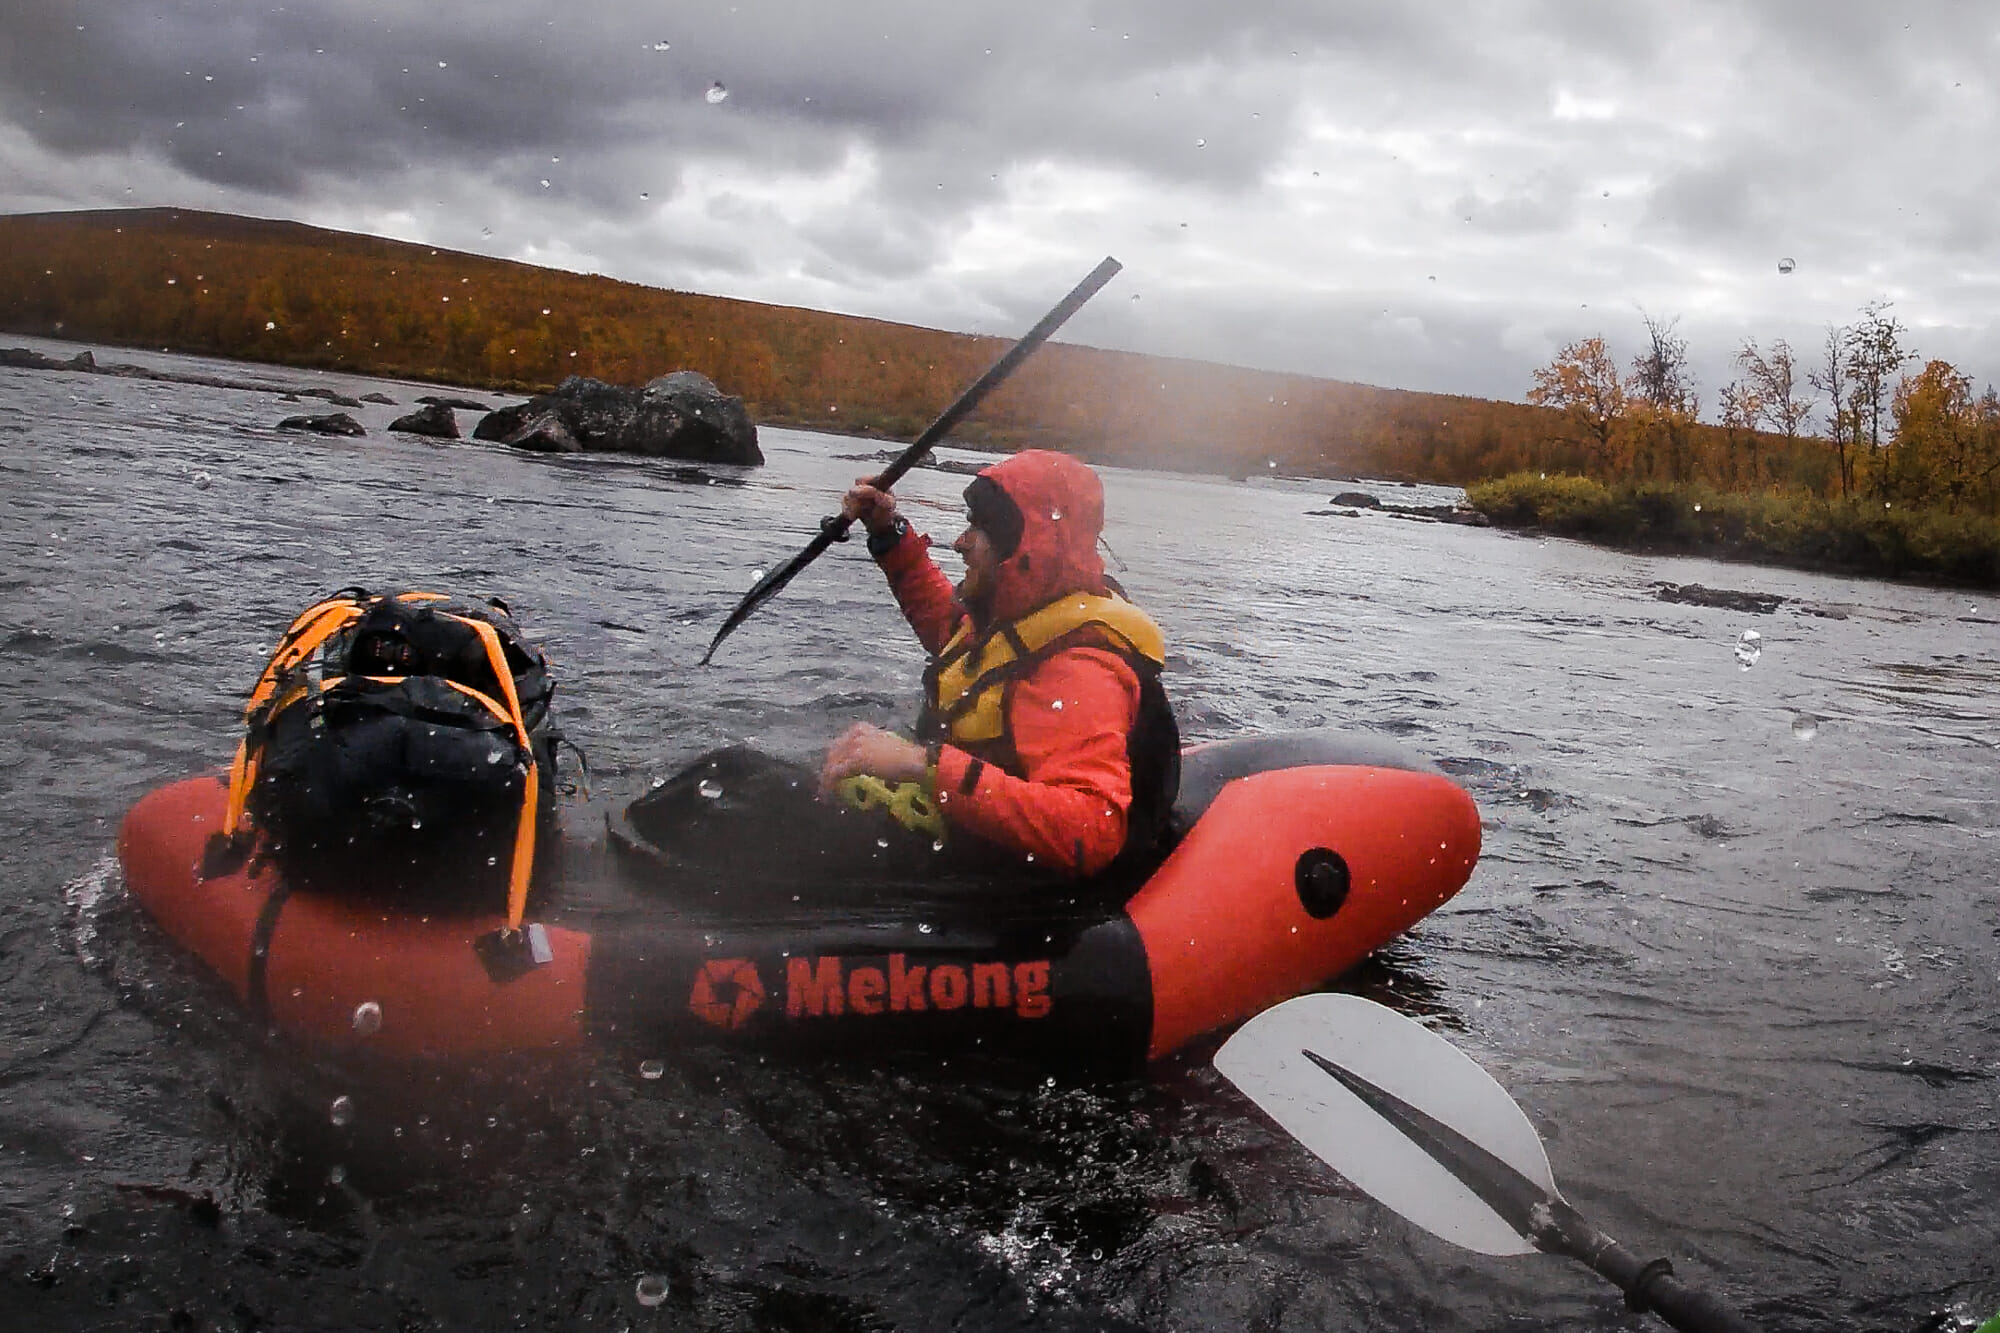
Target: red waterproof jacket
(1060,788)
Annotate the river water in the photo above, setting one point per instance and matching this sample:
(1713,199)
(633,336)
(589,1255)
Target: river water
(1733,943)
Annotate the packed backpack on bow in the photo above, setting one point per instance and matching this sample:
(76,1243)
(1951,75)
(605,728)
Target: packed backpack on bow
(399,744)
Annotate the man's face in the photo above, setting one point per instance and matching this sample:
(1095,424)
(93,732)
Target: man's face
(982,566)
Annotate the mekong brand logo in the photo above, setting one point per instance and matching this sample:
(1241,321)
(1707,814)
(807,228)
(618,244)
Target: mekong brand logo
(728,991)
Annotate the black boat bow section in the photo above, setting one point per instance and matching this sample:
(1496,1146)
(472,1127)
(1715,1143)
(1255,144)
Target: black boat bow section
(1207,769)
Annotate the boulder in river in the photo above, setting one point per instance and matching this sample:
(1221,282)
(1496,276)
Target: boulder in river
(433,419)
(682,415)
(541,432)
(25,358)
(334,423)
(1359,499)
(1728,599)
(381,398)
(458,404)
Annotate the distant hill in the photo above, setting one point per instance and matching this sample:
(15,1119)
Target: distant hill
(295,295)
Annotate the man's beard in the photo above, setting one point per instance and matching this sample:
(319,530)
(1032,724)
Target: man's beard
(979,608)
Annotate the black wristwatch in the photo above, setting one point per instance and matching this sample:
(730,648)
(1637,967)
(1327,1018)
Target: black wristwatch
(881,543)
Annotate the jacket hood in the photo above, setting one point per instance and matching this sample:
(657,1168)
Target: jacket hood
(1062,513)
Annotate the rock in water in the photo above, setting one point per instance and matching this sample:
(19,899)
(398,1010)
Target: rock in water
(694,395)
(1693,594)
(543,432)
(434,419)
(682,415)
(334,423)
(1359,499)
(459,404)
(382,398)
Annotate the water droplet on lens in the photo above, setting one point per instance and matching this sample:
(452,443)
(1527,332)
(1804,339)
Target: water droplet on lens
(342,1110)
(711,790)
(716,94)
(337,1176)
(1787,265)
(652,1069)
(1749,648)
(1057,705)
(651,1291)
(545,182)
(924,927)
(938,846)
(415,822)
(1805,726)
(367,1018)
(882,843)
(663,46)
(756,574)
(1201,143)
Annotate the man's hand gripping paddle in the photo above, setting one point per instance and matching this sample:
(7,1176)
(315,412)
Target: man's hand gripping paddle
(834,529)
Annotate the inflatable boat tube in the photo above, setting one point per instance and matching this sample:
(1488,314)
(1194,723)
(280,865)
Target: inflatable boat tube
(1301,854)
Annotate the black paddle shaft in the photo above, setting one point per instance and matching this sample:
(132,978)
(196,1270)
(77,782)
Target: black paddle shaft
(1544,1218)
(835,528)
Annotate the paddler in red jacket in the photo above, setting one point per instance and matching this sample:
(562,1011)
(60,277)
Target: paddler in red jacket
(1045,734)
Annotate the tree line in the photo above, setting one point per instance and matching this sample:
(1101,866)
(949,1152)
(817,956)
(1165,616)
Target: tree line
(1894,428)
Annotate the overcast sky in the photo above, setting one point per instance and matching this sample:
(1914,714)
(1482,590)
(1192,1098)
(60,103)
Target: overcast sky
(1428,195)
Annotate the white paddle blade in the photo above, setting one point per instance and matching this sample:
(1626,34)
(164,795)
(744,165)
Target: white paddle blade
(1265,1060)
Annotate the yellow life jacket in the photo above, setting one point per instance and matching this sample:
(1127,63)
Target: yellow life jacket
(966,686)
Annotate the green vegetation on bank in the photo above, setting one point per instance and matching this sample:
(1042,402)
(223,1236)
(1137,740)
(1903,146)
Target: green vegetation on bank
(1866,537)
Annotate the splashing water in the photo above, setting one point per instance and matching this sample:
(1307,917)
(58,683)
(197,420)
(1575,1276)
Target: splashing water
(82,899)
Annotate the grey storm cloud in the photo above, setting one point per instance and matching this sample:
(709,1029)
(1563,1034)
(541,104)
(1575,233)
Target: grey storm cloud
(1424,193)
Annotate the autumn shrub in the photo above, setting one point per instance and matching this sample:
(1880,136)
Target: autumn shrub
(1799,530)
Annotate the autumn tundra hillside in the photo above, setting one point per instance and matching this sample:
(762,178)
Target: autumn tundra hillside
(1861,456)
(303,296)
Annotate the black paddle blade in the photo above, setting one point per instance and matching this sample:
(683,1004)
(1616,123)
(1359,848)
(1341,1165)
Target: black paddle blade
(831,531)
(1526,1206)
